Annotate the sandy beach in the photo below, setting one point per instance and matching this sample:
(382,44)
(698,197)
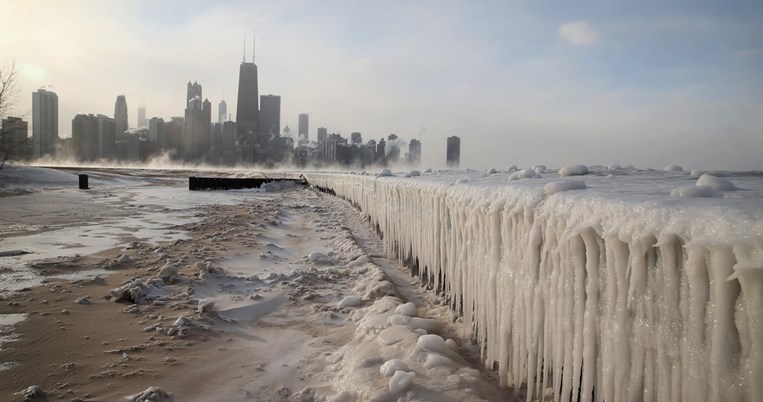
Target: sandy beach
(276,294)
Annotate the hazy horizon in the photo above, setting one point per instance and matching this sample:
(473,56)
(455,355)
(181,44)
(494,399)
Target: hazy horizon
(522,83)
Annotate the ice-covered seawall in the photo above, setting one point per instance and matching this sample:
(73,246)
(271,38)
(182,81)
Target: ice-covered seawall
(615,292)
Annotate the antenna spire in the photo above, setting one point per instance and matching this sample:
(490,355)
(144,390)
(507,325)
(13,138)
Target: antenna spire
(253,48)
(244,58)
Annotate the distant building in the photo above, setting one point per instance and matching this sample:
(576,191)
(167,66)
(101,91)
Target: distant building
(453,152)
(85,137)
(414,152)
(270,115)
(304,127)
(106,137)
(44,123)
(142,122)
(322,134)
(14,139)
(120,115)
(198,119)
(247,110)
(356,138)
(222,112)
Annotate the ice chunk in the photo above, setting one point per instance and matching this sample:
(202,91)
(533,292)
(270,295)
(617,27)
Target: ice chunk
(716,183)
(384,173)
(168,273)
(400,381)
(133,292)
(350,301)
(573,170)
(436,360)
(31,393)
(414,173)
(434,343)
(391,366)
(491,171)
(511,168)
(559,186)
(523,174)
(205,305)
(408,309)
(696,173)
(539,169)
(152,394)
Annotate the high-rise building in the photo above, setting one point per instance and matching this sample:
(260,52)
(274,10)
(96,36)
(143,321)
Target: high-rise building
(356,138)
(270,115)
(414,152)
(85,137)
(247,110)
(142,122)
(13,141)
(222,112)
(453,152)
(106,137)
(44,123)
(198,118)
(323,133)
(156,133)
(304,127)
(120,115)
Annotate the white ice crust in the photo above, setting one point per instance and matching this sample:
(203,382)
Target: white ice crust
(618,292)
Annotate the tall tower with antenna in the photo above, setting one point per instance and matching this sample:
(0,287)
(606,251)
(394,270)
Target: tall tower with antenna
(247,108)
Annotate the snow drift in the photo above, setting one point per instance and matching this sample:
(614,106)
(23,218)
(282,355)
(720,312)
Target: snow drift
(612,293)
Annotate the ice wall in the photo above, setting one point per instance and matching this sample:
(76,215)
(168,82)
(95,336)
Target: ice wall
(599,294)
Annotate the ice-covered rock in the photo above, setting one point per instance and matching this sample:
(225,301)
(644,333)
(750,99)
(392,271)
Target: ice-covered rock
(384,173)
(491,171)
(168,273)
(414,173)
(560,186)
(205,305)
(433,343)
(83,300)
(400,381)
(134,292)
(152,394)
(539,169)
(408,309)
(391,366)
(180,322)
(511,168)
(523,174)
(696,173)
(716,183)
(437,360)
(573,170)
(31,393)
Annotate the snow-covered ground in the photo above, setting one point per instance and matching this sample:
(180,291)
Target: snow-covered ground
(603,283)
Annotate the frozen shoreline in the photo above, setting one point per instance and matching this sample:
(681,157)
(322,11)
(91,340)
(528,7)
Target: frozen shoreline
(283,295)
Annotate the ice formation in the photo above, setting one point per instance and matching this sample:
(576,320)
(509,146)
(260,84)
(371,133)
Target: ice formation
(573,170)
(610,294)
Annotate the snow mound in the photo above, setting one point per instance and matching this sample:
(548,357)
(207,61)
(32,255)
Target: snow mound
(696,173)
(539,169)
(135,292)
(491,171)
(716,183)
(511,168)
(560,186)
(414,173)
(437,360)
(31,393)
(524,174)
(168,273)
(573,170)
(433,343)
(673,168)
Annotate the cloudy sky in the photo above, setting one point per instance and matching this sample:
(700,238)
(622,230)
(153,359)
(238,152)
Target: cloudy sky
(646,83)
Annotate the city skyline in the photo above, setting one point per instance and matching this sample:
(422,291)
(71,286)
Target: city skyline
(519,83)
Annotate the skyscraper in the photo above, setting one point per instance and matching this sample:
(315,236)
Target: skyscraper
(222,112)
(44,123)
(323,133)
(414,152)
(85,137)
(453,152)
(270,115)
(142,121)
(304,126)
(247,109)
(13,141)
(198,117)
(120,115)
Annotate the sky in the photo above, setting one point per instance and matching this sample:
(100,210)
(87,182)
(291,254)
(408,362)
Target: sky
(599,82)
